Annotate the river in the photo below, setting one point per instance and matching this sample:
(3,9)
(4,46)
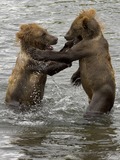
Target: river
(57,130)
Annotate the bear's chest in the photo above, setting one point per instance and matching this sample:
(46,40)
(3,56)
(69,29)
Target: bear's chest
(88,71)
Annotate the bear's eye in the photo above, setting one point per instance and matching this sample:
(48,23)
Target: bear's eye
(43,34)
(85,26)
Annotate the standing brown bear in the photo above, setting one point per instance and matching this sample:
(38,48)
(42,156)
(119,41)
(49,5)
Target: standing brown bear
(92,51)
(26,85)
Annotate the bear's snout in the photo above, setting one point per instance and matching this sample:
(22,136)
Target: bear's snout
(55,40)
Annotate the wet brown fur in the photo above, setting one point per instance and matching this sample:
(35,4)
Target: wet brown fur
(26,86)
(96,71)
(98,82)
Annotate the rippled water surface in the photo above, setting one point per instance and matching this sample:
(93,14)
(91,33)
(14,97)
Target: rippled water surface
(57,130)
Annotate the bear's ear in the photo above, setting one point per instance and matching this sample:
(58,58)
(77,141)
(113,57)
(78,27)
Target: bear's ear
(92,13)
(85,21)
(24,27)
(19,35)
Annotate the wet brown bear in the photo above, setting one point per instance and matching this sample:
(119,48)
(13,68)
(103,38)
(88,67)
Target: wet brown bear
(96,71)
(26,85)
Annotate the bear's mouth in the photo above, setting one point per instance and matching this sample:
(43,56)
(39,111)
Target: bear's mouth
(48,47)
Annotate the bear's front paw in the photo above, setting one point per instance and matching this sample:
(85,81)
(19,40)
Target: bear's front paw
(67,46)
(75,80)
(35,53)
(31,50)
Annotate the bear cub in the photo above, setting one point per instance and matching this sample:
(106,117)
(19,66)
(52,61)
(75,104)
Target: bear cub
(26,83)
(95,67)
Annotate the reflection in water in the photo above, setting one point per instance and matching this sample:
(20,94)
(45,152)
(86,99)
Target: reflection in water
(90,140)
(98,141)
(30,141)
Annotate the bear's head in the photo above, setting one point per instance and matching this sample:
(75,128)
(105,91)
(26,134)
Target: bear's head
(84,26)
(35,36)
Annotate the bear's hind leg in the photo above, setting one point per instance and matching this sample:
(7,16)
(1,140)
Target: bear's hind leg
(101,102)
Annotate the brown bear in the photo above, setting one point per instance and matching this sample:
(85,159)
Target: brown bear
(92,51)
(75,79)
(26,85)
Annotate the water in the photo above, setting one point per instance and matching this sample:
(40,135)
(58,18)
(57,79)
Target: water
(56,130)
